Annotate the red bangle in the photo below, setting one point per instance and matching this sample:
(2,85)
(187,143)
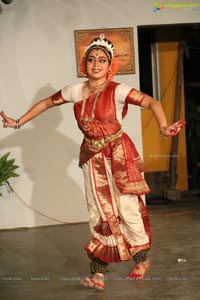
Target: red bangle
(17,126)
(162,131)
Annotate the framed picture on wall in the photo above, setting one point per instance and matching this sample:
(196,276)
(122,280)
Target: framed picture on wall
(122,39)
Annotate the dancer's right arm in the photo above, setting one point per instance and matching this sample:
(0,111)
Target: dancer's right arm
(35,110)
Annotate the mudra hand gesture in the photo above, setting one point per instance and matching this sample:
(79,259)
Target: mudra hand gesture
(9,122)
(173,129)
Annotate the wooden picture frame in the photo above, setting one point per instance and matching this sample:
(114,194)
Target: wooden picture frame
(122,39)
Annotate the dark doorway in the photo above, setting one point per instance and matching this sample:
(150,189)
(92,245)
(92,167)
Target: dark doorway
(190,33)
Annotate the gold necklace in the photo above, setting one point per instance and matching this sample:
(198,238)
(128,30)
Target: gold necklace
(86,119)
(96,87)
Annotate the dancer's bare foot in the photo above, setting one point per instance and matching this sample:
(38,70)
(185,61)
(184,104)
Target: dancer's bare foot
(139,270)
(95,282)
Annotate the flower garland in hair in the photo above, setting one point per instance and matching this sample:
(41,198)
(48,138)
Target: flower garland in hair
(82,66)
(113,69)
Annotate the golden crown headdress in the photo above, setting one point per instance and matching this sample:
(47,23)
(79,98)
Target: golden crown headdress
(101,42)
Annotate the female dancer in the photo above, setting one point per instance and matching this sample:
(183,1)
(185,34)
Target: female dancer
(111,165)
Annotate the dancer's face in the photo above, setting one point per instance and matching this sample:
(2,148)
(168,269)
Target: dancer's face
(97,65)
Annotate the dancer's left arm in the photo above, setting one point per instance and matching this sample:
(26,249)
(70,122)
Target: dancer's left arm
(158,112)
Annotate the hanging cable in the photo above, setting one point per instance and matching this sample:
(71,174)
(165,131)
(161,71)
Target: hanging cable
(33,209)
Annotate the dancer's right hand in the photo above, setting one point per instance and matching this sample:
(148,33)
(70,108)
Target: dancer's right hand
(7,122)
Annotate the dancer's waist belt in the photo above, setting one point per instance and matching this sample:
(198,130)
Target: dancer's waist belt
(102,142)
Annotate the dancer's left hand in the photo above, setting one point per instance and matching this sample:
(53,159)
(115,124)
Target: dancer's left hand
(173,129)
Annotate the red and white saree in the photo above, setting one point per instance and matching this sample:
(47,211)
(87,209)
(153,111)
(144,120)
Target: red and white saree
(112,168)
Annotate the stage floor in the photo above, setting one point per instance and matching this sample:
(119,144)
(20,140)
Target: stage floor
(48,262)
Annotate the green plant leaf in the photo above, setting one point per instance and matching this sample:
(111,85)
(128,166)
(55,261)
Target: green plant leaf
(7,168)
(3,159)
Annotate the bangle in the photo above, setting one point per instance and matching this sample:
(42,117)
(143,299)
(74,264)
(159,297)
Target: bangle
(17,125)
(162,131)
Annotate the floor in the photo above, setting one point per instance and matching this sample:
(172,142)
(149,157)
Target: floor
(48,262)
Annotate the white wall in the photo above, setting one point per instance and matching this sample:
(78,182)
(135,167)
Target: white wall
(37,58)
